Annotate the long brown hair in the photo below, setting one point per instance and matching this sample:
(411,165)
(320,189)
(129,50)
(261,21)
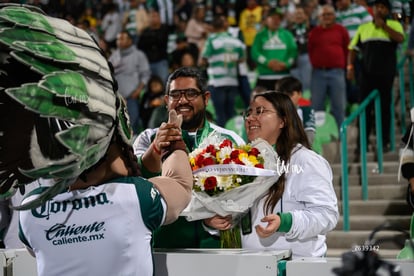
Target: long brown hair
(292,134)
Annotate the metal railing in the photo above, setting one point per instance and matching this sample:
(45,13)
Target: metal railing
(361,113)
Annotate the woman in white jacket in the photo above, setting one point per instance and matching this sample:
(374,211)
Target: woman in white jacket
(301,207)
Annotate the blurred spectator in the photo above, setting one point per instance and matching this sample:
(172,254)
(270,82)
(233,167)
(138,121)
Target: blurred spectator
(185,53)
(183,9)
(197,29)
(165,9)
(274,50)
(401,11)
(351,15)
(364,3)
(153,42)
(222,54)
(89,15)
(311,8)
(292,87)
(132,72)
(328,49)
(300,29)
(377,42)
(153,97)
(111,25)
(136,19)
(250,23)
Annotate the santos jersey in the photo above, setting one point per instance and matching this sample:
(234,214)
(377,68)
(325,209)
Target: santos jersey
(115,219)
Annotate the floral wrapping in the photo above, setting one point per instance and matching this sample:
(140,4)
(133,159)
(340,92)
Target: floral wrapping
(233,195)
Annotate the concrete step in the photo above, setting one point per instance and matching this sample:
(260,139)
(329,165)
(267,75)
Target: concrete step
(357,238)
(372,156)
(373,179)
(355,168)
(397,192)
(379,207)
(369,222)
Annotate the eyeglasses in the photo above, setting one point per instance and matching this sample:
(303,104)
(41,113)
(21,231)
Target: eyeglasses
(190,94)
(256,112)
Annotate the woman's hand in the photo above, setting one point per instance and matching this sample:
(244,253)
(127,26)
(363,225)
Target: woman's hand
(273,223)
(219,222)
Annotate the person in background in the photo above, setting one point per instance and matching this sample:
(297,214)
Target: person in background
(328,49)
(132,72)
(186,93)
(250,22)
(197,29)
(293,88)
(111,25)
(301,207)
(364,3)
(152,99)
(377,43)
(154,43)
(183,48)
(274,51)
(136,19)
(222,55)
(351,15)
(105,212)
(300,29)
(165,9)
(401,11)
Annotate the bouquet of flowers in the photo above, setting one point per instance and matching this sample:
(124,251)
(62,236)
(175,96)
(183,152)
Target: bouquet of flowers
(229,178)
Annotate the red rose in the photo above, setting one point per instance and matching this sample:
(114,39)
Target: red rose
(211,149)
(199,160)
(227,161)
(238,161)
(226,143)
(210,183)
(208,161)
(254,152)
(260,166)
(234,154)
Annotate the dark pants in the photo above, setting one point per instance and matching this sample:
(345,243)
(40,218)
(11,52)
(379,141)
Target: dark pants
(383,83)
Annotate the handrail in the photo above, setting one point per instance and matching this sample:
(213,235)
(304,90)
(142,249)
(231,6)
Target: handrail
(361,113)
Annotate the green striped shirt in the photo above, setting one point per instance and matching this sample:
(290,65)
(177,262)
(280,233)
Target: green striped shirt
(223,53)
(352,17)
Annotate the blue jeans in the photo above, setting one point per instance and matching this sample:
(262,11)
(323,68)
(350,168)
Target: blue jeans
(133,112)
(161,69)
(329,82)
(303,71)
(223,98)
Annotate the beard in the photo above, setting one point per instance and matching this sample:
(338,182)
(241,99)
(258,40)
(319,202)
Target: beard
(194,122)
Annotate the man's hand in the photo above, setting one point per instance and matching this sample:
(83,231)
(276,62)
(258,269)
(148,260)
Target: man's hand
(276,65)
(273,223)
(379,22)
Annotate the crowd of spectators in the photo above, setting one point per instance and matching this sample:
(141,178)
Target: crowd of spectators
(173,33)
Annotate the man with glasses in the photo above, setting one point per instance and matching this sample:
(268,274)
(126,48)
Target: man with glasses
(186,93)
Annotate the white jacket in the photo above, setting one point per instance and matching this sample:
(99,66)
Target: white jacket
(310,197)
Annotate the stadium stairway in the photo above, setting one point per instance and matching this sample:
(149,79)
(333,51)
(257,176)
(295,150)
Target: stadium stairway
(386,201)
